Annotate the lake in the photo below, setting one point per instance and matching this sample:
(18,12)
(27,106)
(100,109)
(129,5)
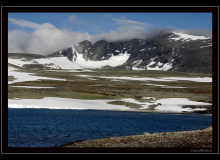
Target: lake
(51,127)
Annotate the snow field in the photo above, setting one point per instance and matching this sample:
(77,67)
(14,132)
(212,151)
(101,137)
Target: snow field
(23,76)
(64,103)
(167,105)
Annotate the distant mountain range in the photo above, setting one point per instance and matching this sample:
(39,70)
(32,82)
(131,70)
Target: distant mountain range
(169,51)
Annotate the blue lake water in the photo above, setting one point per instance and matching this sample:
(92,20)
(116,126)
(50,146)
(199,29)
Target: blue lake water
(50,128)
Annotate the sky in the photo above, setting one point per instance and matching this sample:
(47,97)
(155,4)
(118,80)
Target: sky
(44,33)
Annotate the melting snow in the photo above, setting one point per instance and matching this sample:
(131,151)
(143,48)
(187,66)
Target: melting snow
(129,78)
(198,79)
(167,105)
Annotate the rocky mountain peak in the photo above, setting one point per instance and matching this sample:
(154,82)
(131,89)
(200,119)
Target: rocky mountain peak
(170,51)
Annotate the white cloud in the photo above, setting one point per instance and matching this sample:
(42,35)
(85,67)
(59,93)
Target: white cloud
(24,23)
(17,41)
(44,40)
(128,25)
(129,22)
(72,18)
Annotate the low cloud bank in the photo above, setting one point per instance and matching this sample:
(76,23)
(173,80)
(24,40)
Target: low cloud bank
(44,40)
(47,38)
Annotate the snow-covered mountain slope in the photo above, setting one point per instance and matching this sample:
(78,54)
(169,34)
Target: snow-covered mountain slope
(169,51)
(63,62)
(113,61)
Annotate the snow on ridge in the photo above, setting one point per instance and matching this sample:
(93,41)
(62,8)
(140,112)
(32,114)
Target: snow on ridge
(185,36)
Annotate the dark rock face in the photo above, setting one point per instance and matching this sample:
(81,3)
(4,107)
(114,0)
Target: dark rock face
(185,55)
(100,50)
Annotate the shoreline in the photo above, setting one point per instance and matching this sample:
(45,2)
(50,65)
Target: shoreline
(127,110)
(182,139)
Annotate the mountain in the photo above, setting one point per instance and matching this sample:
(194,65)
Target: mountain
(175,52)
(169,51)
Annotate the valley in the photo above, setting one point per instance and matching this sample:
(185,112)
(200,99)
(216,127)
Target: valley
(137,74)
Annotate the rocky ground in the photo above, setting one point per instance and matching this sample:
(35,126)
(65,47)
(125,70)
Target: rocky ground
(182,139)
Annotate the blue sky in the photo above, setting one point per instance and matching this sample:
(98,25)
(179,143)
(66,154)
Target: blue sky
(96,23)
(44,33)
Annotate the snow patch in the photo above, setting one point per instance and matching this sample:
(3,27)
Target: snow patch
(142,49)
(165,67)
(148,98)
(159,85)
(47,62)
(175,104)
